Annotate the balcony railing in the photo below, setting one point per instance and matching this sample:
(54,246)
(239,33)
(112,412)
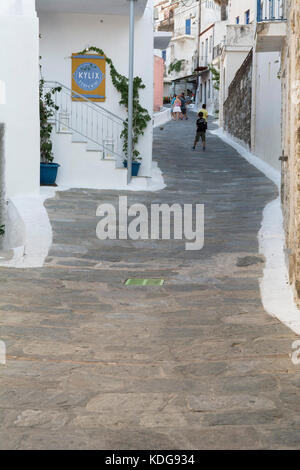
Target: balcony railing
(271,10)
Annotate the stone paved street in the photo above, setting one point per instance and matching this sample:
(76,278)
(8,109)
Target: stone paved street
(194,364)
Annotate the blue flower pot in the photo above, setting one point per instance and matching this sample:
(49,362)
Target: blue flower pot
(135,167)
(48,173)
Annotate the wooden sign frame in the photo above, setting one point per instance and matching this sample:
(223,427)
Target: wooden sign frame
(89,77)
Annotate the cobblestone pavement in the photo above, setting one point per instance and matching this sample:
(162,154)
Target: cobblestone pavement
(194,364)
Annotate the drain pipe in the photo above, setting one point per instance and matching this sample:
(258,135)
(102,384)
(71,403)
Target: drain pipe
(2,180)
(130,91)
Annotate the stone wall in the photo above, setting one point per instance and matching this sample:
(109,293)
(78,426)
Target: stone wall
(237,107)
(291,143)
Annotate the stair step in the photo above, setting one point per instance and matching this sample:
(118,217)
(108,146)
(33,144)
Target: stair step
(79,141)
(91,149)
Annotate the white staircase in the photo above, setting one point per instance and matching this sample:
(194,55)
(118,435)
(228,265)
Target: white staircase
(87,143)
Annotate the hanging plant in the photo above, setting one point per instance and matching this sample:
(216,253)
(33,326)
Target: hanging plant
(2,230)
(141,116)
(176,66)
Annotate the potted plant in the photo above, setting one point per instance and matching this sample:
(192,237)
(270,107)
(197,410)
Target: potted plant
(136,158)
(135,166)
(48,169)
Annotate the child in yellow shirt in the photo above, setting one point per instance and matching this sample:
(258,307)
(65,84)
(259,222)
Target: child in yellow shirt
(204,111)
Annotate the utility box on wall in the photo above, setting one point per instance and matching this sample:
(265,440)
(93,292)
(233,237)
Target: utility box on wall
(88,77)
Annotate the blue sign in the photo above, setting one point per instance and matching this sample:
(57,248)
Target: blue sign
(88,76)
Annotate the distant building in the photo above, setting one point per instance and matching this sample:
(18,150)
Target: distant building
(249,67)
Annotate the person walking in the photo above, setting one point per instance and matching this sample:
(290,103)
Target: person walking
(201,131)
(177,108)
(172,106)
(204,111)
(183,107)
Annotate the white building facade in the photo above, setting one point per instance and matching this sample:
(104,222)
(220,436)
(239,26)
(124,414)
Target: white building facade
(70,27)
(240,39)
(55,30)
(19,108)
(210,14)
(190,53)
(66,27)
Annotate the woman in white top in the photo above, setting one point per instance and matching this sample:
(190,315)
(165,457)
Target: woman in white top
(177,108)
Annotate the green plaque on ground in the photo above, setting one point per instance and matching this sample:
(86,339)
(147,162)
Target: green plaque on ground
(144,282)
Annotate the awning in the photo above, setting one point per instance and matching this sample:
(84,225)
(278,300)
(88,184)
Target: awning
(188,78)
(162,40)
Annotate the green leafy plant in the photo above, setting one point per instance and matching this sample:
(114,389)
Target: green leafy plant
(176,65)
(47,111)
(215,76)
(2,230)
(141,116)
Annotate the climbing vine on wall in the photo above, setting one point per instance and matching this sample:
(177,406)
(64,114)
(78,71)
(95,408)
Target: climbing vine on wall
(215,76)
(176,66)
(47,111)
(141,116)
(2,230)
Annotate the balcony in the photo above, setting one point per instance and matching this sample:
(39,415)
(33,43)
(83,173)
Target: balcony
(167,24)
(103,7)
(182,36)
(271,25)
(271,10)
(162,40)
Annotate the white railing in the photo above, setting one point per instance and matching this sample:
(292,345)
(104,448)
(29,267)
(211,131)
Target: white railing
(85,118)
(271,10)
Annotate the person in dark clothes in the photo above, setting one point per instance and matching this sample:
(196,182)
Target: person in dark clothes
(183,106)
(201,131)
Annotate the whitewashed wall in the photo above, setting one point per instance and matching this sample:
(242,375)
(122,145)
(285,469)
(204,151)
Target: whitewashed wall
(206,94)
(63,34)
(19,71)
(239,7)
(266,132)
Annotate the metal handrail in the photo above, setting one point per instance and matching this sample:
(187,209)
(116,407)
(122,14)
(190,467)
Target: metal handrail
(87,119)
(58,84)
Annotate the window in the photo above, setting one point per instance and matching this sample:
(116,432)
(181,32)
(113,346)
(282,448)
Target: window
(164,55)
(210,44)
(188,26)
(172,52)
(247,17)
(237,20)
(209,88)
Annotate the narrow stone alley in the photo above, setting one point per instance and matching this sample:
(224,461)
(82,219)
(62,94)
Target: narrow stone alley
(194,364)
